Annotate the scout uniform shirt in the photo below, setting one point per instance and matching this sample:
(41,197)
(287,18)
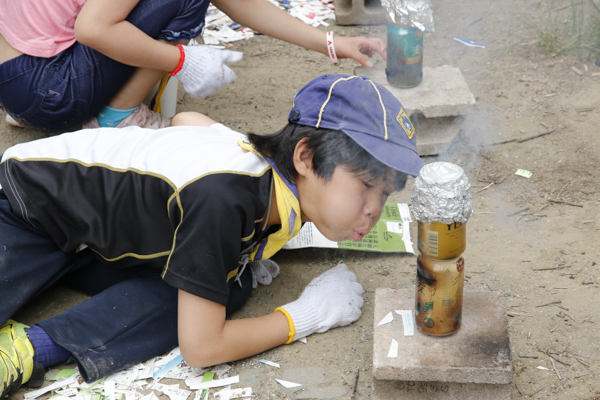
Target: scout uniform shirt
(185,199)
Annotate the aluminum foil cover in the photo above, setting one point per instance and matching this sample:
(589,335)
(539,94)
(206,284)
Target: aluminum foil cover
(442,194)
(415,13)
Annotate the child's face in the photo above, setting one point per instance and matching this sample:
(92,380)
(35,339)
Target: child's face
(345,207)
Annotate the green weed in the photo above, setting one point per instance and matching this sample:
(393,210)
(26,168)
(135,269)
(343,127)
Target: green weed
(572,29)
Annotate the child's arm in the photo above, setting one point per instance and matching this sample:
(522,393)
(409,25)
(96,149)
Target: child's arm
(101,25)
(207,338)
(267,19)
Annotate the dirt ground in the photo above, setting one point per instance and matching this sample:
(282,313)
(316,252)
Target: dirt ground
(535,240)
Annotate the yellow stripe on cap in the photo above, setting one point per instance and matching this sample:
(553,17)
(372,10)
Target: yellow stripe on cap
(383,108)
(378,95)
(329,97)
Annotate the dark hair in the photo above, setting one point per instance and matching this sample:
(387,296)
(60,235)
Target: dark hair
(329,148)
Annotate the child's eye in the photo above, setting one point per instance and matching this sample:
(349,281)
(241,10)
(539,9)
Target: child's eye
(367,185)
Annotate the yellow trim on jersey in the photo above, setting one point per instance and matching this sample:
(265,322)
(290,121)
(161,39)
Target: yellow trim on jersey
(133,255)
(287,204)
(167,264)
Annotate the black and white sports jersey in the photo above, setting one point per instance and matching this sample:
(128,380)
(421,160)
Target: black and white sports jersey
(186,199)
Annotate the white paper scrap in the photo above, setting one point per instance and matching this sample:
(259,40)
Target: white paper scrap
(407,322)
(71,392)
(184,372)
(271,363)
(109,390)
(220,370)
(226,394)
(303,340)
(287,384)
(393,349)
(124,377)
(524,173)
(130,394)
(148,369)
(389,317)
(62,397)
(196,383)
(547,369)
(150,396)
(55,385)
(177,393)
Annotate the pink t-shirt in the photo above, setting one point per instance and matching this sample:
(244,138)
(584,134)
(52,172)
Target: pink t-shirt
(41,28)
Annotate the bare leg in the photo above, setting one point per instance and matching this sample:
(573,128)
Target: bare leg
(138,86)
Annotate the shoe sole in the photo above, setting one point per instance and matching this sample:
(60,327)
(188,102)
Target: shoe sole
(12,122)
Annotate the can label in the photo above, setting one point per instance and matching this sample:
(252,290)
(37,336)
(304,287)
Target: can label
(441,241)
(404,66)
(438,301)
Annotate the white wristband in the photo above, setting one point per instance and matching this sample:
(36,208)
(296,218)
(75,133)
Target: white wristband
(331,49)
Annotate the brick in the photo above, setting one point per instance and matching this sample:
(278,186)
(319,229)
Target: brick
(478,353)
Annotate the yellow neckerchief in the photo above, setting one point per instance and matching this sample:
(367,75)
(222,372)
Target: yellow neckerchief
(288,206)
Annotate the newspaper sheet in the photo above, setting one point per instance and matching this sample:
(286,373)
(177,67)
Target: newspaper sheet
(391,234)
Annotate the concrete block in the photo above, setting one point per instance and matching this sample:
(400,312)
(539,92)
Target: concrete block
(478,353)
(411,390)
(435,135)
(360,12)
(442,93)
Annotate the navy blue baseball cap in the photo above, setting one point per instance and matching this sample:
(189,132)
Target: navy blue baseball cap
(365,111)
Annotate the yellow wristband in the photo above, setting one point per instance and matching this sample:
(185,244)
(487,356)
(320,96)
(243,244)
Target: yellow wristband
(291,324)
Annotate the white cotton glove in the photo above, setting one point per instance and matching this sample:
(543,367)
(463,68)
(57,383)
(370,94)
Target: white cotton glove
(204,71)
(330,300)
(263,272)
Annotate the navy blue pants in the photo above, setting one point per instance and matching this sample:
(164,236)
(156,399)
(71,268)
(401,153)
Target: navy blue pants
(61,92)
(130,318)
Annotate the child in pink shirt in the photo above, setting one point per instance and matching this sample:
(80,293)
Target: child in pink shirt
(68,62)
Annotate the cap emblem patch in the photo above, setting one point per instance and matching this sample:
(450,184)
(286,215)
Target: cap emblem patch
(404,121)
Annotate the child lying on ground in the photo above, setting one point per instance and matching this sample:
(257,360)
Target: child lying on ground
(163,229)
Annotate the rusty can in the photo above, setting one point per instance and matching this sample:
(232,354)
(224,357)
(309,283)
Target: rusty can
(404,67)
(442,241)
(438,302)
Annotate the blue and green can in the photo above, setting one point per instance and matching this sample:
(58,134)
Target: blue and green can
(404,66)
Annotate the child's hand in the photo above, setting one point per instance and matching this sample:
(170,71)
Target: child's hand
(204,71)
(330,300)
(263,272)
(359,49)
